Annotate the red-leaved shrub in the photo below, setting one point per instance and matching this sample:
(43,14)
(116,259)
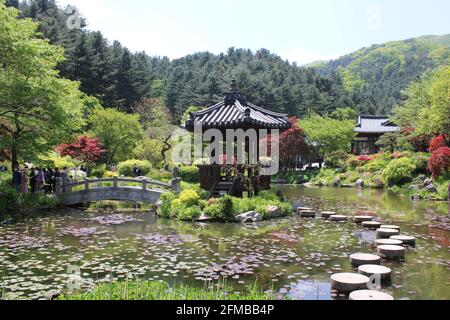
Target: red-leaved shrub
(439,142)
(439,163)
(365,158)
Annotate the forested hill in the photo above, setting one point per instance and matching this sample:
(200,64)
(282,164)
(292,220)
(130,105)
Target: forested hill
(379,73)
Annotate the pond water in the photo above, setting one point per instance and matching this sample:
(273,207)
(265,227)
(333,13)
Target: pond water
(56,251)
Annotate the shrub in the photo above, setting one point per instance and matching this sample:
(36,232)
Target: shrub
(190,174)
(420,160)
(439,163)
(9,199)
(365,158)
(189,198)
(110,174)
(166,208)
(398,171)
(126,167)
(98,171)
(190,213)
(337,159)
(325,177)
(160,175)
(439,142)
(220,209)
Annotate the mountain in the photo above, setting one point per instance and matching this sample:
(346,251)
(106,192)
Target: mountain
(377,75)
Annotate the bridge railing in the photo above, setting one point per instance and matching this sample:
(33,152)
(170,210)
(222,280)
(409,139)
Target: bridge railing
(145,184)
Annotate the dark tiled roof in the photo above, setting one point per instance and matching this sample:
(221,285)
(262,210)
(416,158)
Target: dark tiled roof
(234,111)
(375,124)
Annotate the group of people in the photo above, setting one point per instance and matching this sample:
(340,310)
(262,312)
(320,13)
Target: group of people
(37,179)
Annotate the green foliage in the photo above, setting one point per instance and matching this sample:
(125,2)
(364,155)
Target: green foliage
(189,198)
(52,160)
(165,210)
(98,171)
(420,161)
(159,175)
(119,132)
(344,114)
(9,199)
(190,213)
(326,177)
(337,160)
(126,167)
(189,173)
(156,290)
(149,150)
(328,134)
(399,171)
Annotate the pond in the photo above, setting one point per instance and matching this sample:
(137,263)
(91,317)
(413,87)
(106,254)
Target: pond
(295,257)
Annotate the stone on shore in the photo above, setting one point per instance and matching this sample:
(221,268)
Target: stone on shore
(390,252)
(359,259)
(348,282)
(369,295)
(249,217)
(273,212)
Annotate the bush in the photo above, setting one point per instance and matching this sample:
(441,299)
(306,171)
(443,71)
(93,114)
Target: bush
(398,172)
(160,175)
(189,174)
(98,171)
(439,163)
(337,160)
(325,177)
(9,199)
(190,214)
(420,160)
(189,198)
(165,210)
(110,174)
(126,167)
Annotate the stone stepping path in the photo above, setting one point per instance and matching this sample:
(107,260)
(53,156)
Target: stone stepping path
(374,269)
(338,218)
(307,214)
(361,219)
(388,226)
(405,240)
(367,295)
(371,225)
(327,214)
(386,233)
(390,252)
(392,242)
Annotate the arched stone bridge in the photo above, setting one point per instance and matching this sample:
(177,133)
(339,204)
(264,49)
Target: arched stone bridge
(120,189)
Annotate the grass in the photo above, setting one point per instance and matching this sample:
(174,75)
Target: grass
(154,290)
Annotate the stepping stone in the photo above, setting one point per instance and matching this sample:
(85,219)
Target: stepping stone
(389,242)
(361,219)
(338,218)
(359,259)
(348,282)
(307,214)
(368,295)
(327,214)
(391,252)
(387,226)
(372,269)
(406,240)
(371,224)
(386,233)
(303,209)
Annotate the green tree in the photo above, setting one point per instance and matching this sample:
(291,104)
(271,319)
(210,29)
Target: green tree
(38,109)
(427,106)
(328,135)
(388,141)
(119,132)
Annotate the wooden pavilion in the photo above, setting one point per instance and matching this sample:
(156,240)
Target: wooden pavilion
(235,112)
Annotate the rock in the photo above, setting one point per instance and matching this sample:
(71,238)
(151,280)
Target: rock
(431,188)
(273,212)
(249,217)
(391,252)
(427,182)
(348,282)
(359,259)
(386,233)
(405,240)
(370,270)
(337,183)
(203,218)
(371,224)
(359,183)
(369,295)
(416,197)
(390,242)
(361,219)
(348,186)
(299,209)
(307,214)
(338,218)
(327,214)
(159,204)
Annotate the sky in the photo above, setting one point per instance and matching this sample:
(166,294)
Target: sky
(300,31)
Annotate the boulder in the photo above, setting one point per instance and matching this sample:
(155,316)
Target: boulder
(431,188)
(249,217)
(273,212)
(337,183)
(359,183)
(427,182)
(203,218)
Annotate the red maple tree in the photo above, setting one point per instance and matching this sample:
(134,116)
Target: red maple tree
(84,149)
(438,142)
(439,163)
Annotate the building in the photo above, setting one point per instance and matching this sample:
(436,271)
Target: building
(369,130)
(234,112)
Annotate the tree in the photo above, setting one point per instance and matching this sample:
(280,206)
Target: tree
(150,150)
(328,135)
(344,114)
(388,141)
(427,106)
(85,149)
(117,131)
(439,163)
(292,145)
(38,109)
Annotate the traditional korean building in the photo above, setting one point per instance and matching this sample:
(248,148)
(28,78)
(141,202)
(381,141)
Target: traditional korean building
(234,111)
(369,130)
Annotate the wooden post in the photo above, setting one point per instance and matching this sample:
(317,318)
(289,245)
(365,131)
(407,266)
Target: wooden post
(176,185)
(58,186)
(115,182)
(86,183)
(122,183)
(144,184)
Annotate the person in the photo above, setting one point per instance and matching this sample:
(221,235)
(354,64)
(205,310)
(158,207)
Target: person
(16,179)
(24,181)
(40,179)
(56,174)
(137,172)
(33,181)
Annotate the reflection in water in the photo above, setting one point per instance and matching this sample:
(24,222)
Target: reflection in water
(292,256)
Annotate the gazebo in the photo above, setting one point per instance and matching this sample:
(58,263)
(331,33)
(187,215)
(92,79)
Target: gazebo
(234,112)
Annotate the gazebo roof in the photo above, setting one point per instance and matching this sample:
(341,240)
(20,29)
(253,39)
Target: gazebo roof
(375,124)
(234,111)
